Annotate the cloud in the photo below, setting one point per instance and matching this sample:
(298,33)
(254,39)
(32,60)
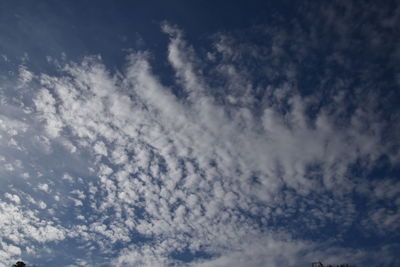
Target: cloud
(21,227)
(25,76)
(218,169)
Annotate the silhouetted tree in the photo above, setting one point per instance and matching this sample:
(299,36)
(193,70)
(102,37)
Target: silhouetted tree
(19,264)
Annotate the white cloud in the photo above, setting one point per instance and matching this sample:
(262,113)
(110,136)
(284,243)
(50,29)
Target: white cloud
(100,148)
(215,171)
(45,104)
(25,76)
(20,227)
(13,198)
(44,187)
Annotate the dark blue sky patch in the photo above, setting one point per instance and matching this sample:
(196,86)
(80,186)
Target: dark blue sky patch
(188,256)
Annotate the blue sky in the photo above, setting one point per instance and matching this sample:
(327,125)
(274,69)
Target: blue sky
(187,133)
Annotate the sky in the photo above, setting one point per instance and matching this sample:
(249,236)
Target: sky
(199,133)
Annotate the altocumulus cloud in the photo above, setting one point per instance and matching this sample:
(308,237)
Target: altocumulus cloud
(221,167)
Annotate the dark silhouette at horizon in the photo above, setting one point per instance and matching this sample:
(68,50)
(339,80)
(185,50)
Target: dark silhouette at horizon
(319,264)
(19,264)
